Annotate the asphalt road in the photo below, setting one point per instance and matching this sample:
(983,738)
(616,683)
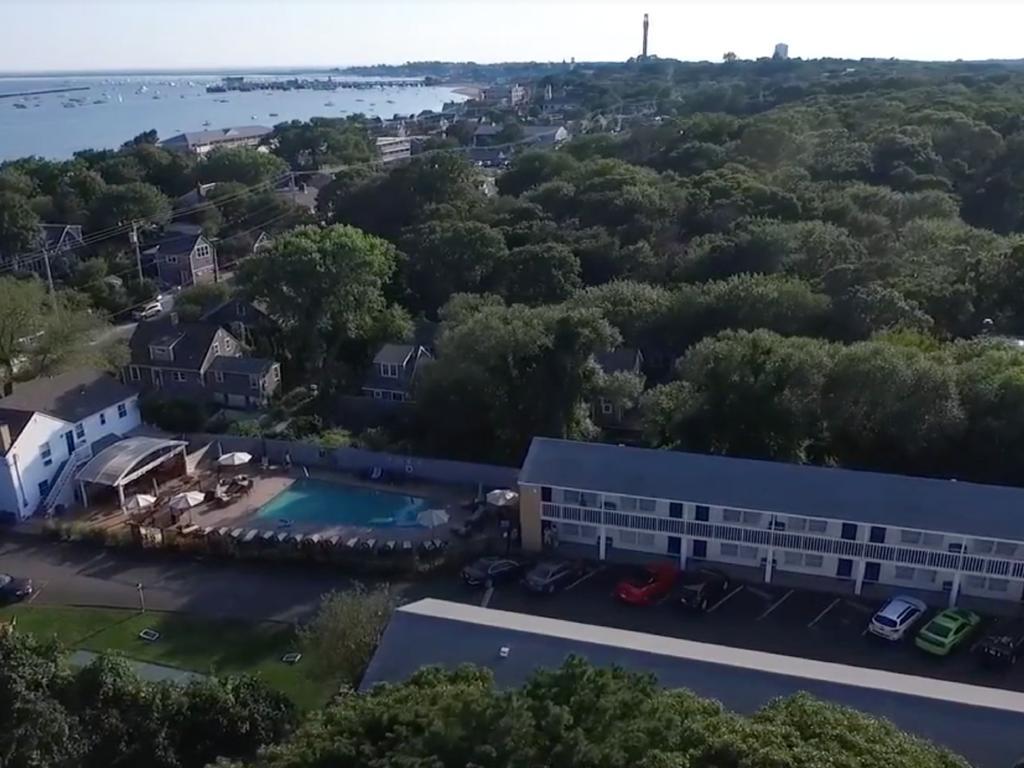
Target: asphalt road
(72,574)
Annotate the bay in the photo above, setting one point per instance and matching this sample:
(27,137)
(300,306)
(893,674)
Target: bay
(117,107)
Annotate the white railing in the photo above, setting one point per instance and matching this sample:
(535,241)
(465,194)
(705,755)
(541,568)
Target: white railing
(64,475)
(801,542)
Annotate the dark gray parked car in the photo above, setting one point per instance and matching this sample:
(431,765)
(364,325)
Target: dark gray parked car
(13,589)
(551,576)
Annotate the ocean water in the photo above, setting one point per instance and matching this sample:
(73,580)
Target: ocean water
(117,107)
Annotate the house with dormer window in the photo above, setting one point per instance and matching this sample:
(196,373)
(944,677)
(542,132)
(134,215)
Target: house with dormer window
(394,370)
(182,256)
(200,360)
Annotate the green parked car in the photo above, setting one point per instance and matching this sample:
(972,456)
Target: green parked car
(946,631)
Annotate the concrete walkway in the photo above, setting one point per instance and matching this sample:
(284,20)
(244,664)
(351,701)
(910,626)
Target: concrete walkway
(152,673)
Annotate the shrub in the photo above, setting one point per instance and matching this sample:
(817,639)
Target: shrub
(174,415)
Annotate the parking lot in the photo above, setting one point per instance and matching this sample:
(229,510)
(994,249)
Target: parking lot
(794,622)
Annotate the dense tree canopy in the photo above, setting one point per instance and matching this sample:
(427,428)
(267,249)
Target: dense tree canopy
(580,717)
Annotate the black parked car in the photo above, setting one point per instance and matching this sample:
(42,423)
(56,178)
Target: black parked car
(1002,645)
(702,588)
(13,589)
(551,576)
(488,571)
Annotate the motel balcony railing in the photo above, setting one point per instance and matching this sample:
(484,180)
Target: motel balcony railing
(800,542)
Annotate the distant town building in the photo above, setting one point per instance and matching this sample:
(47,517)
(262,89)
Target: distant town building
(393,148)
(781,51)
(202,142)
(61,243)
(505,95)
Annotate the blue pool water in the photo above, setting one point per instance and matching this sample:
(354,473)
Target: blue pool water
(315,501)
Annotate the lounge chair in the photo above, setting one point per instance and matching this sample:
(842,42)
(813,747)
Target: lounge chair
(368,545)
(376,473)
(440,544)
(427,546)
(389,547)
(250,534)
(407,547)
(352,543)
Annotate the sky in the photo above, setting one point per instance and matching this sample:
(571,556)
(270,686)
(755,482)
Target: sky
(77,35)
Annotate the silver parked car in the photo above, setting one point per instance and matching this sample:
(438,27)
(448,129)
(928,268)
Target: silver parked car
(896,616)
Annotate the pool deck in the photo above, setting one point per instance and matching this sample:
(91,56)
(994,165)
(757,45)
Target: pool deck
(267,484)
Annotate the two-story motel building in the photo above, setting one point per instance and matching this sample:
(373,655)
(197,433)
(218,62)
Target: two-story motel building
(858,527)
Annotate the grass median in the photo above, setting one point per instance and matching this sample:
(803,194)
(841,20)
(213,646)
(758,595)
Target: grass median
(207,646)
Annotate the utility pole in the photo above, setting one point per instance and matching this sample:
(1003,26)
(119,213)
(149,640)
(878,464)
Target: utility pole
(138,252)
(49,280)
(142,598)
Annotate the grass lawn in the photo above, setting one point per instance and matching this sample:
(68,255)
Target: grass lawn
(201,645)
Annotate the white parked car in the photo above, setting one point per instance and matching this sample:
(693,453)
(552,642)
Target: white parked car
(899,614)
(149,311)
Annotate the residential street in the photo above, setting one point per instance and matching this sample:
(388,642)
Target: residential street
(70,574)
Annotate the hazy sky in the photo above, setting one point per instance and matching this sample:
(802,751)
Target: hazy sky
(154,34)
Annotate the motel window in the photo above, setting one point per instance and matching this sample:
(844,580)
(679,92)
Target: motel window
(389,370)
(178,375)
(983,546)
(877,534)
(646,505)
(933,540)
(1006,549)
(606,406)
(80,431)
(998,585)
(588,499)
(797,524)
(792,558)
(103,419)
(254,382)
(956,547)
(817,526)
(376,394)
(976,582)
(903,573)
(849,531)
(702,513)
(814,561)
(627,504)
(571,497)
(748,553)
(122,410)
(731,515)
(729,550)
(46,454)
(751,518)
(133,373)
(910,537)
(675,509)
(545,493)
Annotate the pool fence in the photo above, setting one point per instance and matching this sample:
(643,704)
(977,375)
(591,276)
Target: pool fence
(357,460)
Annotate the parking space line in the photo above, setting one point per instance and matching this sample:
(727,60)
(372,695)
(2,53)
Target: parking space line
(488,593)
(762,593)
(35,592)
(775,605)
(857,606)
(583,578)
(722,601)
(822,615)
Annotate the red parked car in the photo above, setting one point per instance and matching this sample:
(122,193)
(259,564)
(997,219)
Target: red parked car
(649,586)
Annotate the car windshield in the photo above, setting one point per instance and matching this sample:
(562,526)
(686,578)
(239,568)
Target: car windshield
(886,621)
(940,630)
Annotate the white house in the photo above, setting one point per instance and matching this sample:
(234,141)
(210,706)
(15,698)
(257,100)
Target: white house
(49,427)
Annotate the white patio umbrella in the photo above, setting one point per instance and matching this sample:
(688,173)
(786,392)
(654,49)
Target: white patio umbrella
(187,500)
(138,502)
(502,497)
(234,459)
(432,517)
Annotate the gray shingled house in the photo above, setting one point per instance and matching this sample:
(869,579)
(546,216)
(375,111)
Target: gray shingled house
(394,371)
(199,360)
(182,256)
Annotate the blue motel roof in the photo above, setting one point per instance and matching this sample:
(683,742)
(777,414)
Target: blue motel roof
(949,506)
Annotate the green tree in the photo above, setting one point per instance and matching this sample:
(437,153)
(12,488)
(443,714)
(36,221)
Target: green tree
(538,274)
(193,302)
(19,226)
(121,204)
(343,635)
(448,257)
(322,142)
(242,165)
(325,288)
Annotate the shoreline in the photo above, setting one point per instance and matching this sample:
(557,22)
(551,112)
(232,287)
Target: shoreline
(472,91)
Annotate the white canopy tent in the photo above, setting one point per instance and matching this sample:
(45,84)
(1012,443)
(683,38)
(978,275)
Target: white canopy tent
(127,460)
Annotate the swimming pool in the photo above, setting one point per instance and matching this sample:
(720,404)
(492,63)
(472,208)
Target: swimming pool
(316,501)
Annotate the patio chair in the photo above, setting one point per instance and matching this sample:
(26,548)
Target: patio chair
(352,543)
(389,547)
(406,547)
(427,546)
(368,545)
(440,545)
